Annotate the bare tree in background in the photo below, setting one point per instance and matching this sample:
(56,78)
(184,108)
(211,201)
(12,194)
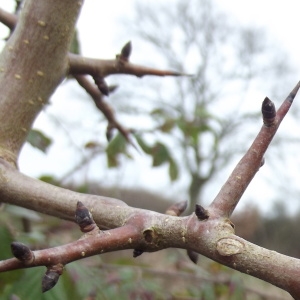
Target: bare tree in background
(199,117)
(33,63)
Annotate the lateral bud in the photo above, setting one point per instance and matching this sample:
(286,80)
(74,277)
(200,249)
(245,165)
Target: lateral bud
(102,85)
(193,256)
(268,112)
(201,213)
(84,218)
(126,51)
(22,252)
(51,277)
(137,252)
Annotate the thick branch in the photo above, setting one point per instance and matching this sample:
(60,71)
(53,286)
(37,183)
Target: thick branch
(32,63)
(211,237)
(230,194)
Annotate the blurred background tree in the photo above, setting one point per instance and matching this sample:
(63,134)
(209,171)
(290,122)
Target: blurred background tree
(197,121)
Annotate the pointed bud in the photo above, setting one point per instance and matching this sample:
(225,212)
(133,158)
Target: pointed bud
(22,252)
(84,218)
(102,85)
(49,280)
(126,51)
(193,256)
(269,112)
(201,213)
(137,252)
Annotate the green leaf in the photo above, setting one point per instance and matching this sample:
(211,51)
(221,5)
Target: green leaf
(167,126)
(29,286)
(7,278)
(160,154)
(49,179)
(145,147)
(173,170)
(75,45)
(116,146)
(39,140)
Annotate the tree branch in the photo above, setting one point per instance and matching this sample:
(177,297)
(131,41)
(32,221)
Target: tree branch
(103,106)
(232,191)
(212,237)
(103,68)
(8,19)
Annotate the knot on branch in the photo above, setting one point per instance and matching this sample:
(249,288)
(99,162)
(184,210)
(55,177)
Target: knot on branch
(151,236)
(229,246)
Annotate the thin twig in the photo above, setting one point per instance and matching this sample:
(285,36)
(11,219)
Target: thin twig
(231,192)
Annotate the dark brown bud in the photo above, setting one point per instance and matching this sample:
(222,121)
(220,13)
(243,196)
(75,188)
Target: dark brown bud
(102,85)
(49,280)
(177,208)
(137,252)
(193,256)
(201,213)
(22,252)
(84,218)
(126,51)
(269,112)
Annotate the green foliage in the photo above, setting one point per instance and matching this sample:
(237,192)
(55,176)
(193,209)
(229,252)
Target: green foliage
(75,45)
(39,140)
(116,147)
(9,278)
(160,155)
(29,286)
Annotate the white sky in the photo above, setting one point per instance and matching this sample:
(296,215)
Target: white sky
(98,29)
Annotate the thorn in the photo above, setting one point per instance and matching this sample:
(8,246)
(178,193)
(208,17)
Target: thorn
(137,252)
(193,256)
(269,112)
(50,279)
(22,252)
(177,209)
(262,162)
(126,51)
(201,213)
(84,218)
